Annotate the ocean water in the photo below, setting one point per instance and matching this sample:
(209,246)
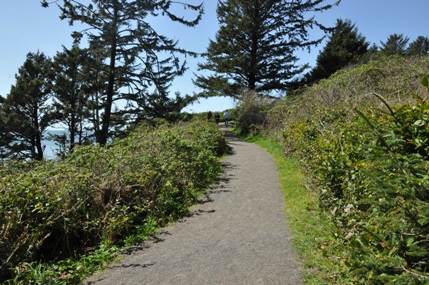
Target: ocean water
(51,147)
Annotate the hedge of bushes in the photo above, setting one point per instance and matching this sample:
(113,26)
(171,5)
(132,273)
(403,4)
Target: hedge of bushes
(101,195)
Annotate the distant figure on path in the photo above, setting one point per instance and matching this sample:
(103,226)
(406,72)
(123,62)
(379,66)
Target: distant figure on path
(209,116)
(226,117)
(217,118)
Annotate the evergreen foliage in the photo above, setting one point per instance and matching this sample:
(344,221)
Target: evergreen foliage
(71,99)
(254,47)
(396,44)
(344,46)
(120,33)
(26,112)
(419,47)
(251,113)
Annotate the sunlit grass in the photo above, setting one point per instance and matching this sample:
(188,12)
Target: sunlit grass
(311,230)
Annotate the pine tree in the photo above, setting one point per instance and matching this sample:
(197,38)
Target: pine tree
(26,108)
(134,65)
(344,46)
(255,44)
(396,44)
(6,137)
(419,47)
(162,106)
(70,96)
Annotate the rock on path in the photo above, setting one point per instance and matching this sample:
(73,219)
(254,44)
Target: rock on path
(237,235)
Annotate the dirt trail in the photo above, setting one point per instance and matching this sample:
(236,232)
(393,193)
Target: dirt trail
(237,235)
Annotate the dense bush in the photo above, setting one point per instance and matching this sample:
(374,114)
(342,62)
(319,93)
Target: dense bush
(317,109)
(251,113)
(101,195)
(376,189)
(367,157)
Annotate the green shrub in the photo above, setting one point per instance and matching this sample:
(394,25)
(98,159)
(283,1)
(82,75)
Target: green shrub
(373,178)
(251,113)
(367,160)
(392,227)
(102,195)
(320,107)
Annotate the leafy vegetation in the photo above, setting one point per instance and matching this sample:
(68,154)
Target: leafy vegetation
(100,197)
(251,113)
(361,137)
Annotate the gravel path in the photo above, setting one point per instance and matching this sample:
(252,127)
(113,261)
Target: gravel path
(237,235)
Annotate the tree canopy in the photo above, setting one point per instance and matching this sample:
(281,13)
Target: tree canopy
(255,44)
(135,58)
(344,46)
(419,47)
(70,91)
(25,113)
(395,44)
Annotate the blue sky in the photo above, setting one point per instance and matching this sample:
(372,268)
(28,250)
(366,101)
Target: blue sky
(27,27)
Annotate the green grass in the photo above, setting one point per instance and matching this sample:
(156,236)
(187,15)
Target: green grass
(311,230)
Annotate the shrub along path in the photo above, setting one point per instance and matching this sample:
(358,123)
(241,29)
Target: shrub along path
(236,235)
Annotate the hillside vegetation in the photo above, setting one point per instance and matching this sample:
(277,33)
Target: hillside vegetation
(62,219)
(362,138)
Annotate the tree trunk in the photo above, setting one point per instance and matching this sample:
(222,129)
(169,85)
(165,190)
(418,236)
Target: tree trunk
(103,135)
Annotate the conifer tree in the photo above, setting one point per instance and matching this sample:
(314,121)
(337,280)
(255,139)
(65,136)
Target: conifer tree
(27,113)
(138,58)
(69,90)
(419,47)
(396,44)
(344,46)
(255,44)
(5,136)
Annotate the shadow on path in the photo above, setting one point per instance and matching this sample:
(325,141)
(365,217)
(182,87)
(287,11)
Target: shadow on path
(236,234)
